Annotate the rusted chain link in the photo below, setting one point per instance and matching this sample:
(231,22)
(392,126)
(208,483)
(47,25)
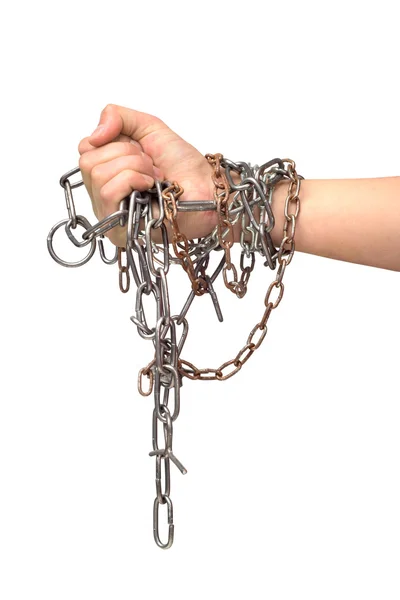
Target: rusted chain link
(222,192)
(124,279)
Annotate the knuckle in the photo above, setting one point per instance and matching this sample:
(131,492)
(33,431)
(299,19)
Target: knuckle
(104,195)
(81,145)
(85,163)
(96,172)
(107,107)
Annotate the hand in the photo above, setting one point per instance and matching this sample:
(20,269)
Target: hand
(127,151)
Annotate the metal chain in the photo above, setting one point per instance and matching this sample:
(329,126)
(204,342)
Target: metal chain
(170,196)
(186,368)
(242,194)
(224,228)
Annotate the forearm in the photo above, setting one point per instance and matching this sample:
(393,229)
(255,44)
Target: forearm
(354,220)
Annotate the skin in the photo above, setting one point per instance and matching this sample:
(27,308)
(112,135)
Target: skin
(354,220)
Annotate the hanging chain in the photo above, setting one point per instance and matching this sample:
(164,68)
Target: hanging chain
(242,195)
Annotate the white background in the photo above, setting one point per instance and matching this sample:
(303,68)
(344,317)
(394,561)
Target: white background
(293,486)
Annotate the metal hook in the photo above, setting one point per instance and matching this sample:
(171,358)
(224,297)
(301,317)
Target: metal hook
(108,261)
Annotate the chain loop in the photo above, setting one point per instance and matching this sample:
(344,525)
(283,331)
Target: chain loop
(124,278)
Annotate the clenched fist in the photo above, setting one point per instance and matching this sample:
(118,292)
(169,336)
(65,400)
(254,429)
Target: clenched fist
(127,151)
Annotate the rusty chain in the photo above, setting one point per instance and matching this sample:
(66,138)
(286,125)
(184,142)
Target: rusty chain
(179,240)
(284,257)
(243,196)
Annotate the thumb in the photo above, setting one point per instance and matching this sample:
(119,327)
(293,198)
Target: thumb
(117,120)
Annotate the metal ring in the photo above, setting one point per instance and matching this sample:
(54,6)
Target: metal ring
(59,260)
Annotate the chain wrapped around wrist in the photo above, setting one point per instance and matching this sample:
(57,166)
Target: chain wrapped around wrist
(241,193)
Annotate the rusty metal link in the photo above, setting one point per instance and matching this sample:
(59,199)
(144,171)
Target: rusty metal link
(242,196)
(220,183)
(149,374)
(179,240)
(292,197)
(222,191)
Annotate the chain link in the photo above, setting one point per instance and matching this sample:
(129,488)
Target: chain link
(242,195)
(124,279)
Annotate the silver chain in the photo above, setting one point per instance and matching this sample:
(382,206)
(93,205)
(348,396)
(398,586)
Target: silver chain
(148,264)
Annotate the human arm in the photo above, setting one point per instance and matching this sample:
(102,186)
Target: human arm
(354,220)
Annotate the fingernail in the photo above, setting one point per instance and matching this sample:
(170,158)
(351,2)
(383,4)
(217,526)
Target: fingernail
(149,180)
(99,129)
(157,173)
